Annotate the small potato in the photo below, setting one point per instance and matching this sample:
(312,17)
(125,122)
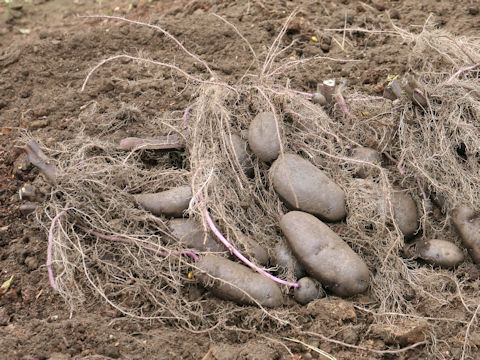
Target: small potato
(304,187)
(284,258)
(190,233)
(254,250)
(308,290)
(440,252)
(172,202)
(324,254)
(242,279)
(404,212)
(240,148)
(467,223)
(367,155)
(263,137)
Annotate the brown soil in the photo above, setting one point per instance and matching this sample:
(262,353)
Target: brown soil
(41,76)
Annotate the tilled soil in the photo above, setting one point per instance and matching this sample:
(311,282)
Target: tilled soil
(46,51)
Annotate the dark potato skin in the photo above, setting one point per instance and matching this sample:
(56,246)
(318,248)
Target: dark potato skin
(308,290)
(265,291)
(284,258)
(255,251)
(440,252)
(263,137)
(315,192)
(325,256)
(467,223)
(367,155)
(405,213)
(190,233)
(240,148)
(172,202)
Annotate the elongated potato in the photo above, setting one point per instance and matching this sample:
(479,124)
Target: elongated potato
(440,252)
(190,233)
(405,212)
(324,254)
(467,223)
(304,187)
(242,279)
(367,155)
(240,148)
(263,137)
(284,258)
(172,202)
(254,250)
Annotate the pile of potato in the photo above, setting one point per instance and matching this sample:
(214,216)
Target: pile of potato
(318,256)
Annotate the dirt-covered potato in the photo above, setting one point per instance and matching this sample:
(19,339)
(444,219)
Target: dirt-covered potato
(325,256)
(440,252)
(236,280)
(254,251)
(467,223)
(172,202)
(263,137)
(405,212)
(309,290)
(302,186)
(240,148)
(367,155)
(284,258)
(191,234)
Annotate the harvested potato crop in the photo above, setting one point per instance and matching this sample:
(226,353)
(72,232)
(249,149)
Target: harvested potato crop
(305,187)
(254,250)
(263,137)
(367,155)
(229,280)
(172,202)
(467,223)
(440,252)
(405,212)
(309,289)
(191,234)
(244,159)
(284,258)
(325,256)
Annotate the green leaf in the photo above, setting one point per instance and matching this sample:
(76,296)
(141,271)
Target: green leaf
(6,285)
(25,31)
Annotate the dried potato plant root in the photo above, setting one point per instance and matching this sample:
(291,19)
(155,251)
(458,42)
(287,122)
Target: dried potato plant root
(436,150)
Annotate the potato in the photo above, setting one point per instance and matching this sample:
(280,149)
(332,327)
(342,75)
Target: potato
(263,137)
(265,291)
(467,223)
(190,233)
(304,187)
(325,256)
(284,258)
(254,250)
(308,290)
(440,252)
(240,148)
(405,212)
(367,155)
(172,202)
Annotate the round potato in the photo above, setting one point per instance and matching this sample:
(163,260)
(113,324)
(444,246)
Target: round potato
(325,256)
(263,137)
(240,148)
(367,155)
(308,290)
(236,282)
(440,252)
(467,223)
(284,258)
(304,187)
(191,234)
(172,202)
